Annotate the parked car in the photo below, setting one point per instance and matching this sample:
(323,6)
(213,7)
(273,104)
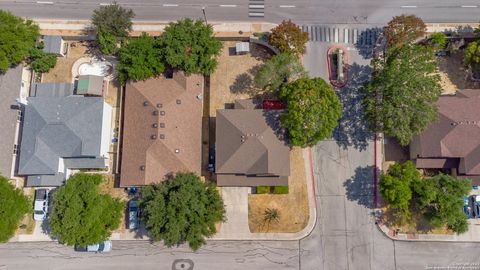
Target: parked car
(133,214)
(40,204)
(476,206)
(105,246)
(475,210)
(211,159)
(466,207)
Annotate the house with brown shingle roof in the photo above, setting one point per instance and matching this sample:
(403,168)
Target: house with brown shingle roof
(452,142)
(250,149)
(162,127)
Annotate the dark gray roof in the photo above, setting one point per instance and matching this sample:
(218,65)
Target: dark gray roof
(84,163)
(45,180)
(52,44)
(52,89)
(57,127)
(90,85)
(10,85)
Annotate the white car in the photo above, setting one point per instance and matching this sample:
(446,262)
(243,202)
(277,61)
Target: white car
(104,246)
(40,205)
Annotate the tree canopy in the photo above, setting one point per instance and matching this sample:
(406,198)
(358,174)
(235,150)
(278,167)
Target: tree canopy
(278,70)
(18,37)
(40,61)
(313,110)
(139,59)
(439,40)
(190,46)
(289,38)
(113,19)
(472,54)
(81,214)
(182,209)
(400,99)
(437,199)
(13,206)
(404,29)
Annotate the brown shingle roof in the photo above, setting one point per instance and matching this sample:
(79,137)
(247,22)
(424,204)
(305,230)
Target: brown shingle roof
(456,134)
(162,129)
(247,144)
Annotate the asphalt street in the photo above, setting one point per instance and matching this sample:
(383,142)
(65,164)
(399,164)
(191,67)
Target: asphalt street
(301,11)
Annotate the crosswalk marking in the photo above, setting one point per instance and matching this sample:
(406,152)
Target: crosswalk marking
(339,34)
(256,8)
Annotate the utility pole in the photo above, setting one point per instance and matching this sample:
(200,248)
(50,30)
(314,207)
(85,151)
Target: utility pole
(204,15)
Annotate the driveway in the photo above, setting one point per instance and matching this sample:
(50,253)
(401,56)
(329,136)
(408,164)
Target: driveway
(235,200)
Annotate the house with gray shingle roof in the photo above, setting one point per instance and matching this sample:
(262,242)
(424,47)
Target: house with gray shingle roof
(55,45)
(61,133)
(10,89)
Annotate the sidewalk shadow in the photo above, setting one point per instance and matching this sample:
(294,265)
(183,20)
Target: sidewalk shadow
(360,187)
(352,129)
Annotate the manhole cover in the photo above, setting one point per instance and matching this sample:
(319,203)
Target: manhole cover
(182,264)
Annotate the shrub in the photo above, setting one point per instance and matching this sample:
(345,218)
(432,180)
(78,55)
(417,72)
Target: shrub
(280,190)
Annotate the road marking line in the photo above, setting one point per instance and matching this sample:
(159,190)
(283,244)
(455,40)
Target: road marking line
(170,5)
(256,6)
(45,2)
(104,4)
(228,5)
(255,14)
(469,6)
(287,6)
(408,6)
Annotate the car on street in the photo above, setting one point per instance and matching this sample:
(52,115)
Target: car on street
(105,246)
(466,207)
(40,204)
(476,206)
(133,214)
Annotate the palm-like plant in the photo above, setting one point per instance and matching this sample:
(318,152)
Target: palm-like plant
(271,214)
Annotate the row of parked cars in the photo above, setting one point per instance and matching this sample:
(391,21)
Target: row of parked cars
(471,206)
(41,207)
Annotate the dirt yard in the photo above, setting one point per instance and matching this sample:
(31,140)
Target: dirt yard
(62,72)
(233,78)
(454,74)
(293,207)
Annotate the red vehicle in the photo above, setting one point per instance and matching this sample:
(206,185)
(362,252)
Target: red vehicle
(270,104)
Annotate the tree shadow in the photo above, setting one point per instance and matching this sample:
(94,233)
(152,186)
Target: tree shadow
(360,187)
(272,117)
(244,84)
(352,129)
(366,41)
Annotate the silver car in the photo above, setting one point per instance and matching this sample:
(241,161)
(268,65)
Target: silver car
(40,204)
(105,246)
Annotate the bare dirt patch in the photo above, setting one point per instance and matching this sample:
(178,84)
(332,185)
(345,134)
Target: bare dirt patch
(454,74)
(62,72)
(293,207)
(233,78)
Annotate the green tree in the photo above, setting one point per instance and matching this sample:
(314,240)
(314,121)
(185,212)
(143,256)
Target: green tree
(113,19)
(17,38)
(182,209)
(107,42)
(447,207)
(395,185)
(313,110)
(81,214)
(278,70)
(400,99)
(439,40)
(289,38)
(139,59)
(13,206)
(191,46)
(472,54)
(404,29)
(40,61)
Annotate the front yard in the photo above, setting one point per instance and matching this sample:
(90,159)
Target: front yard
(292,207)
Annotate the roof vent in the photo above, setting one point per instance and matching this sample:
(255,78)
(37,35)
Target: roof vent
(177,150)
(155,125)
(142,168)
(162,112)
(162,125)
(153,137)
(162,136)
(155,113)
(145,103)
(159,105)
(179,101)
